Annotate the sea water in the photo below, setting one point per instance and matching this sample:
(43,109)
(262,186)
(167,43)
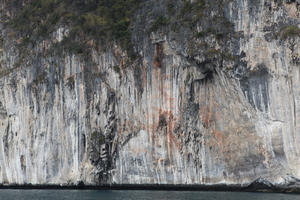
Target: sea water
(9,194)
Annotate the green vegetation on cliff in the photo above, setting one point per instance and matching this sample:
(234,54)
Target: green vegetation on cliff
(290,31)
(97,20)
(98,23)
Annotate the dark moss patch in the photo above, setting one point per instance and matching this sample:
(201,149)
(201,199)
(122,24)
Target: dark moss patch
(98,137)
(160,22)
(289,31)
(40,78)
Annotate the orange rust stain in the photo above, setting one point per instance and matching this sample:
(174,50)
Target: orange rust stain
(264,153)
(206,115)
(181,135)
(171,101)
(165,95)
(216,104)
(171,124)
(167,120)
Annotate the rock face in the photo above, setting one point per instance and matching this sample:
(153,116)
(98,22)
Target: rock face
(170,117)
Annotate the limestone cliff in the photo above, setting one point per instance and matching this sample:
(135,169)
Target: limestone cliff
(216,101)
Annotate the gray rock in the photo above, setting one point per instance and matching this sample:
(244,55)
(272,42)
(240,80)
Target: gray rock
(182,114)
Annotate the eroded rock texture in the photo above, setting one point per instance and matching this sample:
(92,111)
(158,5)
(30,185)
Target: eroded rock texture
(182,113)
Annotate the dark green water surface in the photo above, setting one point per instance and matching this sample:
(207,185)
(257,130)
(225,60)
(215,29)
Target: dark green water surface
(137,195)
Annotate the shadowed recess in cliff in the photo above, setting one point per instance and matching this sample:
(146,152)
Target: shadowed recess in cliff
(255,87)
